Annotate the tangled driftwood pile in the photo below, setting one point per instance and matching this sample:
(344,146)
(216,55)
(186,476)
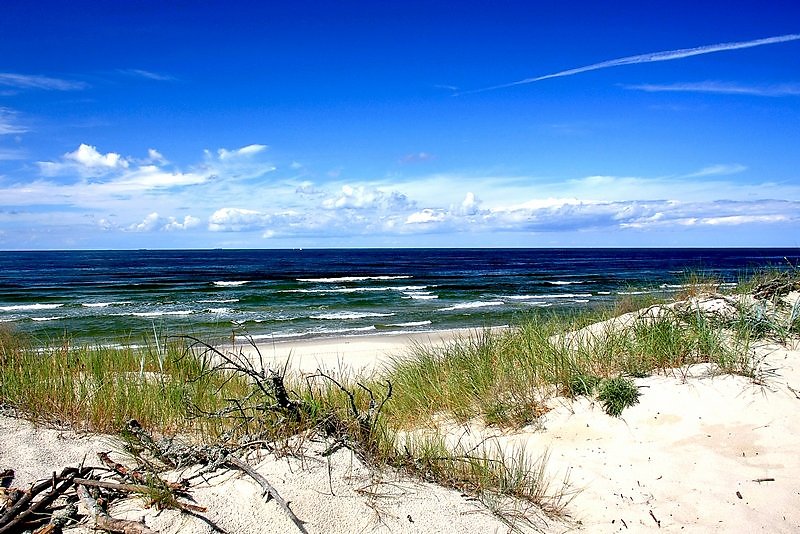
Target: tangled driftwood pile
(51,505)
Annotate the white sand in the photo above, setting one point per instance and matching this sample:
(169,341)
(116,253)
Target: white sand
(674,462)
(356,354)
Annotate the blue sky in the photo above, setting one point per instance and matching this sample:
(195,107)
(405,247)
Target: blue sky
(153,124)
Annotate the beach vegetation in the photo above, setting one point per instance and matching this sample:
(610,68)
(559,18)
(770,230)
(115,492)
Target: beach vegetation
(501,378)
(616,394)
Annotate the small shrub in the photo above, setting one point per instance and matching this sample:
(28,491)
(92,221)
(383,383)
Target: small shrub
(617,394)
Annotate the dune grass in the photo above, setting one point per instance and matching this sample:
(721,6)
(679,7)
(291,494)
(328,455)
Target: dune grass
(501,378)
(99,388)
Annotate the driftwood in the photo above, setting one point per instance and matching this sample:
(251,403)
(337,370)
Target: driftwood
(27,512)
(269,491)
(777,287)
(103,521)
(134,475)
(134,488)
(147,441)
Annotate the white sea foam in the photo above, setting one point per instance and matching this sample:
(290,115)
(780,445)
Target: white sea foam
(410,324)
(355,289)
(235,283)
(420,295)
(47,318)
(472,305)
(25,307)
(349,315)
(313,333)
(352,279)
(604,292)
(562,283)
(633,292)
(104,304)
(160,313)
(547,297)
(217,301)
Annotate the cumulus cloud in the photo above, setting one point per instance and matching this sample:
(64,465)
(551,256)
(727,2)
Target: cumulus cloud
(154,222)
(150,223)
(188,222)
(362,197)
(237,220)
(85,161)
(88,156)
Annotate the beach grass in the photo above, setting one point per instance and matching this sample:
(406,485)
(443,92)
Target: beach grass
(99,388)
(497,378)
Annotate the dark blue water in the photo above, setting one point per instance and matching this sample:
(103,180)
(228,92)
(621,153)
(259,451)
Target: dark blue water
(113,296)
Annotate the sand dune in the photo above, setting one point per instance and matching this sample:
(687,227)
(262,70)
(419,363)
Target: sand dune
(701,452)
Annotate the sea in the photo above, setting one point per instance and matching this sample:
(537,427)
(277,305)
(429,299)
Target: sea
(128,297)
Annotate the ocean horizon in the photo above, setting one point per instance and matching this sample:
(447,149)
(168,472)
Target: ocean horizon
(123,296)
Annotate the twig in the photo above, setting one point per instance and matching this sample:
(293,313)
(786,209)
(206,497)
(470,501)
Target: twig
(103,521)
(135,488)
(133,474)
(269,491)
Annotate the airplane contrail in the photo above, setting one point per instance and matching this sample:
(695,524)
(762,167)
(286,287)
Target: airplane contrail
(667,55)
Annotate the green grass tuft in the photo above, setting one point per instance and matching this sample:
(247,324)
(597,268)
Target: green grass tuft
(616,394)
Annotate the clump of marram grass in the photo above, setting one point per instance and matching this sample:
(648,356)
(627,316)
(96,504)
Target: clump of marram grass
(616,394)
(487,471)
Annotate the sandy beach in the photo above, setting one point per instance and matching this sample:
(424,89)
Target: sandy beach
(352,354)
(700,452)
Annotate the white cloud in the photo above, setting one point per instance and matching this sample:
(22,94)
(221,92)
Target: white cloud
(8,122)
(427,216)
(150,75)
(470,205)
(154,156)
(188,222)
(34,81)
(727,88)
(88,156)
(717,170)
(668,55)
(237,220)
(152,177)
(12,154)
(735,220)
(150,223)
(154,222)
(245,151)
(363,197)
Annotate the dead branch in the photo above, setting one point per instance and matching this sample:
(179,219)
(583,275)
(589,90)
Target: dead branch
(25,509)
(269,491)
(134,475)
(147,441)
(103,521)
(134,488)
